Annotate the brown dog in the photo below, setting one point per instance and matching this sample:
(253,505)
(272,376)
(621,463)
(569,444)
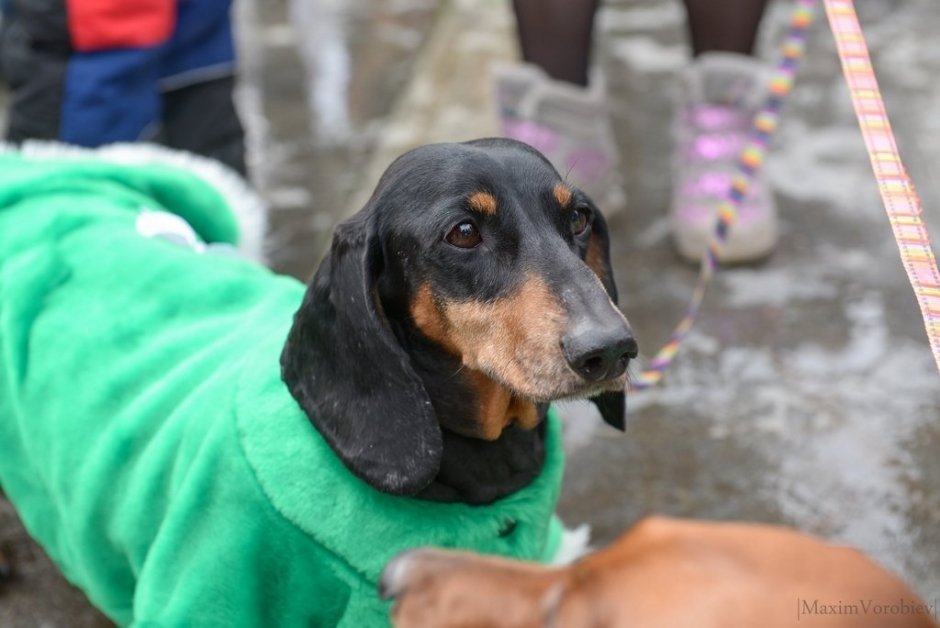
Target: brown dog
(663,572)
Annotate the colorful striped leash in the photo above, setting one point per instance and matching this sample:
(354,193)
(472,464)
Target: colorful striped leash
(749,163)
(897,191)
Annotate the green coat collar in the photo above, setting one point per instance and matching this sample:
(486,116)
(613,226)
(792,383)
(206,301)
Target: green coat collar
(310,487)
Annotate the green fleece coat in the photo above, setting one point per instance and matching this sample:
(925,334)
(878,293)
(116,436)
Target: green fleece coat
(146,438)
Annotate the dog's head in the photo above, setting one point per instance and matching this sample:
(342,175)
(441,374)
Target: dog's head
(472,288)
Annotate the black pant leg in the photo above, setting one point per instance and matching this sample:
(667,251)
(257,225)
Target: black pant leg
(201,118)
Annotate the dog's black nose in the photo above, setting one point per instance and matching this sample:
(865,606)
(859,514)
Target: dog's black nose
(599,354)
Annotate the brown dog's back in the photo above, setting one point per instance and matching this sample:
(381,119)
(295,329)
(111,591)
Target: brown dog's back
(663,572)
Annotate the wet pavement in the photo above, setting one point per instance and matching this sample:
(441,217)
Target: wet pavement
(806,395)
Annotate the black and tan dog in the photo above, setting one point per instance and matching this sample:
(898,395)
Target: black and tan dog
(473,289)
(199,442)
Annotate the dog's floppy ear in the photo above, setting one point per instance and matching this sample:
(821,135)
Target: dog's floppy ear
(612,405)
(344,366)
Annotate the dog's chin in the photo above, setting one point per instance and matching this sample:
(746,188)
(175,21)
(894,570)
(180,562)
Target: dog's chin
(586,392)
(615,385)
(566,391)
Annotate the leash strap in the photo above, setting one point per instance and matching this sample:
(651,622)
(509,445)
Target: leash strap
(749,163)
(900,199)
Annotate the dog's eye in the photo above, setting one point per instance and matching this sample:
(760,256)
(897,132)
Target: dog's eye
(464,236)
(579,220)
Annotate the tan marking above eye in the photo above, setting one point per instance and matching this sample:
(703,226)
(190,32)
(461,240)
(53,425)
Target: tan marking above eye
(482,202)
(562,194)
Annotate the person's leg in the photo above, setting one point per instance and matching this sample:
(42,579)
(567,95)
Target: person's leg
(201,118)
(723,25)
(34,56)
(556,36)
(720,93)
(198,82)
(547,102)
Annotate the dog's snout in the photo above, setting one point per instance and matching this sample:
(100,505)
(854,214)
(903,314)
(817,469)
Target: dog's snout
(600,354)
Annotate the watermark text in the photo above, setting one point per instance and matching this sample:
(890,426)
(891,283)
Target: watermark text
(900,607)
